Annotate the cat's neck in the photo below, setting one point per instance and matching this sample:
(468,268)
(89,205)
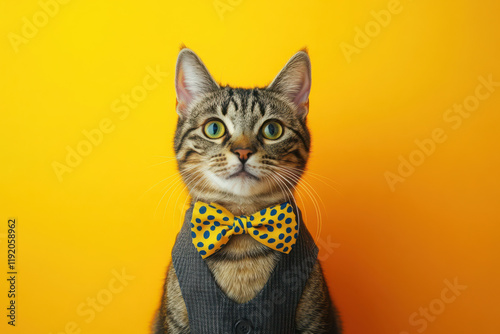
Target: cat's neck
(238,205)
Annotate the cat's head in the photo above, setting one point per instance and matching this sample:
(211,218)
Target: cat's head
(234,143)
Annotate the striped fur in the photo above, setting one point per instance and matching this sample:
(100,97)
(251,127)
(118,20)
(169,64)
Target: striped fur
(210,167)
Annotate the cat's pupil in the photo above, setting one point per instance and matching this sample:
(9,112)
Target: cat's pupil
(215,128)
(272,129)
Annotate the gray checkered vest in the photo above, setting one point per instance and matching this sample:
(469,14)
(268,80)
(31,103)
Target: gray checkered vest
(271,311)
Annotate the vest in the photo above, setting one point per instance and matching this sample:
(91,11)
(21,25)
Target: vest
(271,311)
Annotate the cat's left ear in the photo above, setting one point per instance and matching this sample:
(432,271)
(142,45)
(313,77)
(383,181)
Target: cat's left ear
(192,80)
(294,81)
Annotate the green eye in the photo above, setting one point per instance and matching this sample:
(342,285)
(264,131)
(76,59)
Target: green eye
(272,130)
(214,129)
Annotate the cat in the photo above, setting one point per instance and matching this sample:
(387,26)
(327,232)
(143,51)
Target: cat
(244,149)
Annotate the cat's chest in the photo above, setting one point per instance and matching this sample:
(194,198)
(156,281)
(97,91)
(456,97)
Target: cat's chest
(242,278)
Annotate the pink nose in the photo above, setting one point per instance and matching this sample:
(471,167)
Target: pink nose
(243,153)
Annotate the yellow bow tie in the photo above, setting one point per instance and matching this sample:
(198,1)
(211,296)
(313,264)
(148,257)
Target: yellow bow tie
(212,226)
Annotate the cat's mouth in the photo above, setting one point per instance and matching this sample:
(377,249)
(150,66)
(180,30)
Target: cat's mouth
(244,174)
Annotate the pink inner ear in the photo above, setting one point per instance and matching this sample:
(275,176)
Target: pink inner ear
(183,94)
(302,96)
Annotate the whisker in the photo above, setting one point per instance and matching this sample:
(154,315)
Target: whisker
(185,200)
(173,183)
(280,178)
(316,176)
(168,177)
(317,208)
(189,179)
(164,156)
(163,162)
(306,186)
(165,193)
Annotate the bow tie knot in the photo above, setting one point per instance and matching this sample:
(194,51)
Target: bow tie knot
(212,226)
(240,225)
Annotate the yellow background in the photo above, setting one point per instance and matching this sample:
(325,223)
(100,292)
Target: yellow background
(392,250)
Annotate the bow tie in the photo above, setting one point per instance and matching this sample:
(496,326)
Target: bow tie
(212,226)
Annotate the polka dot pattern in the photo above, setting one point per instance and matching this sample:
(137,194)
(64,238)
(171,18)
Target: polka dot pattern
(212,226)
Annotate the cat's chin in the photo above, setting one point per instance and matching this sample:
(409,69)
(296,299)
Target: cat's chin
(241,184)
(243,175)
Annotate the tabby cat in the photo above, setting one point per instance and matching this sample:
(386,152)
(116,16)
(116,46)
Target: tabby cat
(244,149)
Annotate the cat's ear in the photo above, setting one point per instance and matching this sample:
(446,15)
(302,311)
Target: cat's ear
(294,81)
(192,80)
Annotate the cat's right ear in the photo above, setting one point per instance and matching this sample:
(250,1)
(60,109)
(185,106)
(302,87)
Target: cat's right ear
(294,82)
(192,80)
